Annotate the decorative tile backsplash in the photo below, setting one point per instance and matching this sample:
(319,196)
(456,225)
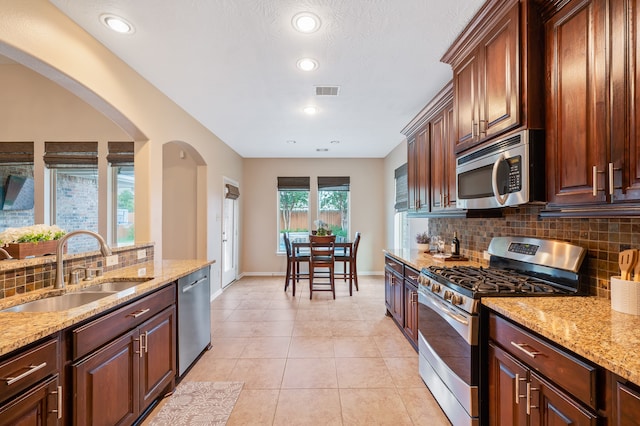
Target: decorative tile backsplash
(602,237)
(22,276)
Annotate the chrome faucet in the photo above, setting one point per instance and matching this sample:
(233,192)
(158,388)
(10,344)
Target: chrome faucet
(104,248)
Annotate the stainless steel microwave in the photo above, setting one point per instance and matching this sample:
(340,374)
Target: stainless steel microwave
(507,172)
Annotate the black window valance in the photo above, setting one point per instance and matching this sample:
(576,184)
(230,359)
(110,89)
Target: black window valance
(71,154)
(294,183)
(231,191)
(120,153)
(333,183)
(16,152)
(402,188)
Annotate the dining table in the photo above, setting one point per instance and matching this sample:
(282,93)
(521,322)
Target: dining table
(301,246)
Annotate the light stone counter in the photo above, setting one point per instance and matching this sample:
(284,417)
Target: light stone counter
(418,260)
(585,325)
(21,328)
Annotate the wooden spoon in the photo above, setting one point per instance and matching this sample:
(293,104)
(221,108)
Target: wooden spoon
(627,260)
(636,269)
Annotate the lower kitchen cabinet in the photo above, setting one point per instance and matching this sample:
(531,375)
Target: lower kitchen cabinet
(534,382)
(116,383)
(401,297)
(40,405)
(625,399)
(411,305)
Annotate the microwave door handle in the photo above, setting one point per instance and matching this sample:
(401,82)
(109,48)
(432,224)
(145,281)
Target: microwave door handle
(494,182)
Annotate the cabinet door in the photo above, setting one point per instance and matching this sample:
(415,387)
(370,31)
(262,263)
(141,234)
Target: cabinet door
(412,173)
(398,299)
(500,77)
(625,98)
(627,405)
(411,312)
(451,190)
(507,388)
(388,290)
(106,384)
(576,98)
(551,407)
(438,165)
(38,406)
(158,357)
(422,179)
(465,84)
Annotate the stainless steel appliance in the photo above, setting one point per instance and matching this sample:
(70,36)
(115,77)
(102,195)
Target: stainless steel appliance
(194,317)
(507,172)
(449,306)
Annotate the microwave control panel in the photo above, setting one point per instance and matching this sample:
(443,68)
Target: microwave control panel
(514,180)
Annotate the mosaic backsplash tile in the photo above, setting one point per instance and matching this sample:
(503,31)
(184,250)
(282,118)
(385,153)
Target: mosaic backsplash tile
(603,238)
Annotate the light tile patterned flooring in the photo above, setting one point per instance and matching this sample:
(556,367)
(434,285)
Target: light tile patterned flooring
(314,362)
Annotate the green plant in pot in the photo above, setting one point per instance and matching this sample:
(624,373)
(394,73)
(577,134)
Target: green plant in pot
(323,228)
(423,239)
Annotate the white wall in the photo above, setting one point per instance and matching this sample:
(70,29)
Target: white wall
(259,195)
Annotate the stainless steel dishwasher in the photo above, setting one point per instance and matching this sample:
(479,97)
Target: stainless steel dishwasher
(194,317)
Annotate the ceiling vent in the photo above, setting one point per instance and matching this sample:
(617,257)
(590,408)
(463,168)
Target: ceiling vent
(327,90)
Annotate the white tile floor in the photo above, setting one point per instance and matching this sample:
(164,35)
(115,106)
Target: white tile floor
(314,362)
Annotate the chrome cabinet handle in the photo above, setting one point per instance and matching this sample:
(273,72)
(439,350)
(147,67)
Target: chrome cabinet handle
(58,409)
(32,369)
(532,354)
(517,390)
(484,128)
(594,178)
(529,390)
(193,284)
(136,314)
(610,178)
(144,339)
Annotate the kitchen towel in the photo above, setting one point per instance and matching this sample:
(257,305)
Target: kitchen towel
(199,403)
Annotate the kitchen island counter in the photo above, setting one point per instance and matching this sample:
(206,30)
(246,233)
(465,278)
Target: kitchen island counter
(22,328)
(585,325)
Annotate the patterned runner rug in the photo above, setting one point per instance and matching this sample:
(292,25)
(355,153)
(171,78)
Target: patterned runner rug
(199,403)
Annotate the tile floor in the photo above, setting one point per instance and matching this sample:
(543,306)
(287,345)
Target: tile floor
(314,362)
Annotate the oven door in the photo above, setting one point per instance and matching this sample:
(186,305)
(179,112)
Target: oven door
(448,349)
(494,176)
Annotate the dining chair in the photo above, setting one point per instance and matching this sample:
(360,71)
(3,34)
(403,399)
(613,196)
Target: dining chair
(348,258)
(322,264)
(293,264)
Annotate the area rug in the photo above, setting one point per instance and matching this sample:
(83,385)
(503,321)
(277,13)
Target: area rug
(199,403)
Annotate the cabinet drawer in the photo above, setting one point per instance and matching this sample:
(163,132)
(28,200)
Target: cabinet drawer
(411,275)
(393,264)
(104,329)
(23,370)
(575,376)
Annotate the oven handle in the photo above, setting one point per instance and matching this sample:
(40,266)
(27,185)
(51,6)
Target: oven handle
(494,181)
(445,309)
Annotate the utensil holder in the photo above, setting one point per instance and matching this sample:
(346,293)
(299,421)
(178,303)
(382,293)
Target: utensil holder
(625,296)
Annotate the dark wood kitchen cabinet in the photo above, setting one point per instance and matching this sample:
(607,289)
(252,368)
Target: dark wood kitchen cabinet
(535,382)
(431,164)
(30,390)
(126,360)
(411,305)
(393,284)
(593,143)
(625,402)
(497,72)
(401,297)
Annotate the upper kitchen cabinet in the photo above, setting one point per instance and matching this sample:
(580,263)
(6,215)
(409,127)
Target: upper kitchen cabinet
(431,164)
(593,143)
(497,72)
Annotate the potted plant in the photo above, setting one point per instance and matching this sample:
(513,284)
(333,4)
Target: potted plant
(323,228)
(423,239)
(30,241)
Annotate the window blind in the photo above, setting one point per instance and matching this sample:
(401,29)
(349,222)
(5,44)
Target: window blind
(402,188)
(333,183)
(71,154)
(16,152)
(231,191)
(294,183)
(120,153)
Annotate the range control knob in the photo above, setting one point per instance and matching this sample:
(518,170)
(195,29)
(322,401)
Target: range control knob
(435,288)
(456,299)
(448,295)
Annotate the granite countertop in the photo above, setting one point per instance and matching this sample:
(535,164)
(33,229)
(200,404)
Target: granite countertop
(21,328)
(418,260)
(585,325)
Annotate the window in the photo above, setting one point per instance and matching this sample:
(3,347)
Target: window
(74,189)
(120,159)
(400,222)
(293,208)
(16,185)
(333,204)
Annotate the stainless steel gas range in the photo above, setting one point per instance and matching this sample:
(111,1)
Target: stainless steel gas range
(449,307)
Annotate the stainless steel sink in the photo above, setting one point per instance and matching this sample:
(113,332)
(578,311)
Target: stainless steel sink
(114,286)
(60,303)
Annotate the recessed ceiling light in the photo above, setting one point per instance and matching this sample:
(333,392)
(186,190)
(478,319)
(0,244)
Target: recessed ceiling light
(322,149)
(291,141)
(307,64)
(116,23)
(306,22)
(310,110)
(335,142)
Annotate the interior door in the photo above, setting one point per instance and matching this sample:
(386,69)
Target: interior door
(229,241)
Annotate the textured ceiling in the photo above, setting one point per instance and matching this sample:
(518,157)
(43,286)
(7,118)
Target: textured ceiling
(231,64)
